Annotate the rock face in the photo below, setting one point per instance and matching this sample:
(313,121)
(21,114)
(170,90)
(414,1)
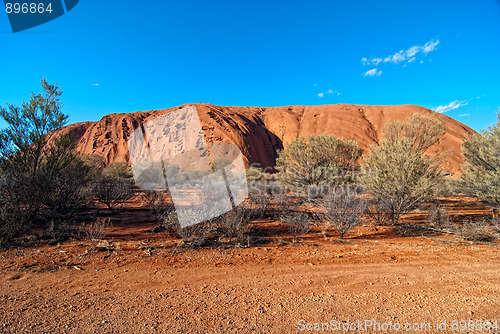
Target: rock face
(260,132)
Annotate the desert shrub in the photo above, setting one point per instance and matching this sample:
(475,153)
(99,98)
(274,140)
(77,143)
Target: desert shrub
(496,224)
(17,208)
(22,149)
(119,170)
(421,131)
(230,228)
(254,173)
(287,203)
(438,218)
(169,221)
(343,208)
(159,202)
(259,199)
(52,195)
(197,235)
(150,198)
(233,226)
(377,212)
(165,211)
(495,221)
(259,192)
(476,231)
(319,160)
(298,223)
(259,205)
(149,175)
(95,230)
(43,183)
(398,174)
(291,209)
(62,179)
(112,191)
(481,169)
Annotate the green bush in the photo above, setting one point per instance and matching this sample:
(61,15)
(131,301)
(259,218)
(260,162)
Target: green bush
(343,208)
(112,191)
(481,170)
(320,160)
(41,183)
(398,174)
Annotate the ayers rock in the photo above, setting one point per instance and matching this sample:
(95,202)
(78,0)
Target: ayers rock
(260,132)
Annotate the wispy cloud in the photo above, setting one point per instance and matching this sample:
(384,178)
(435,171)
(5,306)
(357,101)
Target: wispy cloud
(409,55)
(452,105)
(463,115)
(95,84)
(373,72)
(329,92)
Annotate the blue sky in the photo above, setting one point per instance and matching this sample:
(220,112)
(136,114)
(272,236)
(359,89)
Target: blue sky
(123,56)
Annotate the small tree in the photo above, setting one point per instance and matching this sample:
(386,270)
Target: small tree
(117,170)
(37,179)
(344,208)
(421,131)
(61,180)
(321,160)
(55,193)
(398,174)
(112,191)
(481,170)
(294,214)
(234,226)
(22,143)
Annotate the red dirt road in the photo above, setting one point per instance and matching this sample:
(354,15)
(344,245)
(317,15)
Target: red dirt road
(145,287)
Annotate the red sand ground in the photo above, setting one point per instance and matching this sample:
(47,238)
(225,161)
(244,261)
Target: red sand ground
(145,284)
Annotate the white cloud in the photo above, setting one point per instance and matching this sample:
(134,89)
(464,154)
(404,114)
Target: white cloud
(95,84)
(315,85)
(411,52)
(462,115)
(451,106)
(329,92)
(373,72)
(395,58)
(455,105)
(430,46)
(409,55)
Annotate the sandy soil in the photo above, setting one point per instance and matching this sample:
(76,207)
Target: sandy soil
(144,284)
